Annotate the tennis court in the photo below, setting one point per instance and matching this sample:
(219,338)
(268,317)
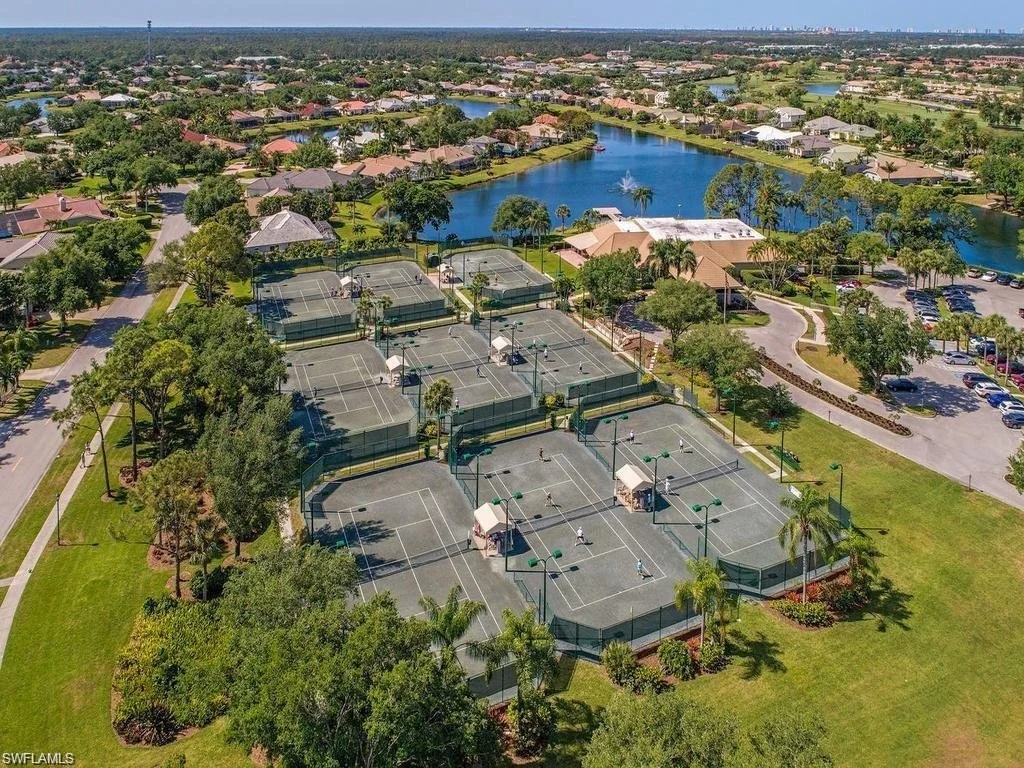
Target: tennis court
(596,582)
(571,356)
(413,296)
(701,466)
(408,529)
(510,277)
(340,387)
(460,355)
(304,305)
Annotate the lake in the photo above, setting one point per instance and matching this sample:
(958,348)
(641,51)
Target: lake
(818,89)
(43,102)
(678,173)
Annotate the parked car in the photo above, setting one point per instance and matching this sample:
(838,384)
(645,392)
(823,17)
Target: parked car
(990,277)
(1017,283)
(1017,379)
(1015,367)
(986,388)
(971,380)
(992,358)
(983,348)
(1011,405)
(974,272)
(928,318)
(1003,279)
(961,306)
(976,342)
(957,358)
(998,397)
(1013,420)
(901,385)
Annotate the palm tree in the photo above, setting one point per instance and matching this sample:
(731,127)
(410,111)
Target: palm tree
(206,540)
(528,643)
(476,288)
(861,551)
(885,224)
(450,622)
(539,222)
(682,257)
(563,213)
(659,260)
(889,167)
(642,196)
(995,327)
(810,523)
(438,399)
(947,328)
(705,589)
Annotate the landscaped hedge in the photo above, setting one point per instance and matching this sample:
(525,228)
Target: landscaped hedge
(809,614)
(832,399)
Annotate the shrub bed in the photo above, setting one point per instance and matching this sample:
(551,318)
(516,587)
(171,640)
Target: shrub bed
(832,399)
(810,614)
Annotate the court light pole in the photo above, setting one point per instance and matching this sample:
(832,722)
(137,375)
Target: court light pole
(404,345)
(543,561)
(715,502)
(614,421)
(512,327)
(419,387)
(536,347)
(499,501)
(834,466)
(654,489)
(468,457)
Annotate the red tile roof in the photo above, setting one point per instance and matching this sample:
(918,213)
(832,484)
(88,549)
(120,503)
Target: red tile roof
(284,146)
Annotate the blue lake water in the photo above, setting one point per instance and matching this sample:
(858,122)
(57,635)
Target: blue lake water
(43,102)
(819,89)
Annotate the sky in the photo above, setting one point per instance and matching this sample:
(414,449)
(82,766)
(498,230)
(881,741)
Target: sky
(871,14)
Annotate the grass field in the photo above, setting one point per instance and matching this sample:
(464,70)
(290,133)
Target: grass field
(55,347)
(21,400)
(833,366)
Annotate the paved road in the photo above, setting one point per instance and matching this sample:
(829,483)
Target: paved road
(965,441)
(30,443)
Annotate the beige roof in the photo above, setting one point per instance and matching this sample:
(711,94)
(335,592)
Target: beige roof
(500,343)
(490,518)
(632,477)
(394,363)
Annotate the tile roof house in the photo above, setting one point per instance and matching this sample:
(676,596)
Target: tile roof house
(810,146)
(387,166)
(51,209)
(822,126)
(353,107)
(905,171)
(787,117)
(118,101)
(308,180)
(455,158)
(16,158)
(287,227)
(231,147)
(19,252)
(843,157)
(243,119)
(284,146)
(853,132)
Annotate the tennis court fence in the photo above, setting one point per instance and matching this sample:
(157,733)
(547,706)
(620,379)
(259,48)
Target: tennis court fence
(637,631)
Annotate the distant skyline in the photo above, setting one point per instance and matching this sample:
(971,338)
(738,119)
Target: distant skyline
(878,15)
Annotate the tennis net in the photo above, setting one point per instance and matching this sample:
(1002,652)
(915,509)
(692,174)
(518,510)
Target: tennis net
(442,367)
(560,518)
(705,474)
(570,343)
(378,286)
(501,270)
(333,389)
(380,570)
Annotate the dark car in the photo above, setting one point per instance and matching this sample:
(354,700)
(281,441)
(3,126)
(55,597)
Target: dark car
(970,379)
(1013,420)
(1003,279)
(1017,283)
(901,385)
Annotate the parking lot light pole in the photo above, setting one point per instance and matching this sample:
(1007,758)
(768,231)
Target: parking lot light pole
(834,466)
(654,489)
(614,421)
(715,502)
(499,501)
(468,457)
(533,562)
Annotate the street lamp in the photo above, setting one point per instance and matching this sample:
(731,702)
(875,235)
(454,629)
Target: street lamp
(731,394)
(782,444)
(715,502)
(654,490)
(404,345)
(536,347)
(499,501)
(614,421)
(533,562)
(512,327)
(834,466)
(468,457)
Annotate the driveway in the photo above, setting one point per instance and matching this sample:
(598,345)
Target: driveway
(964,441)
(29,443)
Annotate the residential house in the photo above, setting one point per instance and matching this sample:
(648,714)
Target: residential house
(823,126)
(858,86)
(244,119)
(285,228)
(233,148)
(162,97)
(390,105)
(118,101)
(481,144)
(854,132)
(810,146)
(260,88)
(51,211)
(730,128)
(774,138)
(282,145)
(17,158)
(19,252)
(758,111)
(383,167)
(901,171)
(308,180)
(455,158)
(789,117)
(353,107)
(546,119)
(313,111)
(276,115)
(845,158)
(541,135)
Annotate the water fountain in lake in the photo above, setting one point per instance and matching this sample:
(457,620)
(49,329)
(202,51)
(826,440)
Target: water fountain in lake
(627,184)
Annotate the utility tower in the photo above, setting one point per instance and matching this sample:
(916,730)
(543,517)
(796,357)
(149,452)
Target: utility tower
(149,41)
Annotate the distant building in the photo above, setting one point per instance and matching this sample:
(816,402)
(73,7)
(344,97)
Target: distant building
(285,228)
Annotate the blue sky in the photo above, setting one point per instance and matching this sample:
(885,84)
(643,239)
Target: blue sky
(873,14)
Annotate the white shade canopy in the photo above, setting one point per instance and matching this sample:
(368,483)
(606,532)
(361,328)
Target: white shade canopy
(445,268)
(632,478)
(394,363)
(490,518)
(346,281)
(500,344)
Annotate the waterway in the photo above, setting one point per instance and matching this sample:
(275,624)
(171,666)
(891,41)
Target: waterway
(818,89)
(678,173)
(43,102)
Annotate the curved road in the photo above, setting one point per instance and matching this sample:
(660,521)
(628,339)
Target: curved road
(965,441)
(29,443)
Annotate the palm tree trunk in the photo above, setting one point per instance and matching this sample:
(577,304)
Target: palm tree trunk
(135,444)
(205,580)
(177,564)
(804,598)
(702,619)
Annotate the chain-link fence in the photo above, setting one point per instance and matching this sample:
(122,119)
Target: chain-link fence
(637,631)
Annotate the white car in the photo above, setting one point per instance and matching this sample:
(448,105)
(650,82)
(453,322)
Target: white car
(957,358)
(987,388)
(989,277)
(928,317)
(1011,405)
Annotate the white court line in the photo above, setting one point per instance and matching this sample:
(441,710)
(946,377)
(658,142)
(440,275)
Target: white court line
(322,431)
(355,527)
(483,595)
(411,569)
(344,536)
(364,372)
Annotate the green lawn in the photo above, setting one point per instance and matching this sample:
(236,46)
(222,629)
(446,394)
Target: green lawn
(515,165)
(21,400)
(56,347)
(930,675)
(817,356)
